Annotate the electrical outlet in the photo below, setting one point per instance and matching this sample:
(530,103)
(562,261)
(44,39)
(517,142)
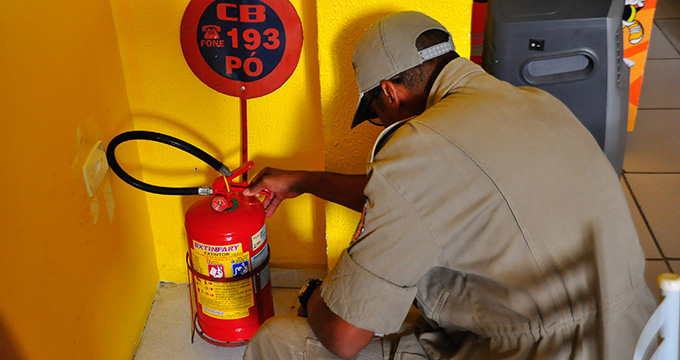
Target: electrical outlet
(95,168)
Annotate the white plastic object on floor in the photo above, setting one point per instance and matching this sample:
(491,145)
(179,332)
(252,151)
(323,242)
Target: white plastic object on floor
(664,324)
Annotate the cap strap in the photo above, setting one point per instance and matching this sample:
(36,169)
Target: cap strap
(436,50)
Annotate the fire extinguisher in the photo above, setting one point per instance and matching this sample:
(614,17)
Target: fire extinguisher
(228,254)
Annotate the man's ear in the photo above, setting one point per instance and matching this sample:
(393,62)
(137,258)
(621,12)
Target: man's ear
(391,92)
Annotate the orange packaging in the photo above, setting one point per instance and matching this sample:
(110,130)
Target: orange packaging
(638,17)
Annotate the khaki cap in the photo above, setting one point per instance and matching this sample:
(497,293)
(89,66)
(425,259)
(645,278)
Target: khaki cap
(388,48)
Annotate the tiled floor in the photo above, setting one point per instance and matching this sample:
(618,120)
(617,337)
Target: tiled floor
(651,181)
(651,164)
(167,335)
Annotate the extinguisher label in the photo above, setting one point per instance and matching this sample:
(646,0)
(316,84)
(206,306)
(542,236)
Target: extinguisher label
(259,238)
(220,261)
(223,300)
(220,250)
(230,300)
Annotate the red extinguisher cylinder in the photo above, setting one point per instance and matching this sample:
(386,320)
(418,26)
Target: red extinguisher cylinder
(229,262)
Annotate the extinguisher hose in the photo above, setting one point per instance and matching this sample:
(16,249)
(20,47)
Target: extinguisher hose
(165,139)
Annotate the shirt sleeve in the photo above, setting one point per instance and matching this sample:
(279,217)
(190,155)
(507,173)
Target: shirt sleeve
(374,282)
(364,299)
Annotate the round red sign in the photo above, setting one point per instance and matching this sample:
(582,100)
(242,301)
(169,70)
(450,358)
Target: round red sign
(243,48)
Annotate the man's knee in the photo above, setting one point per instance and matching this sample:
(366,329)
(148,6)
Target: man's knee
(280,337)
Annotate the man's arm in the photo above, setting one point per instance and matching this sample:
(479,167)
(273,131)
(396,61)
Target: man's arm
(346,190)
(337,335)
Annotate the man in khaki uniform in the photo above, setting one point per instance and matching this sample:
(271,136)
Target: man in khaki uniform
(489,206)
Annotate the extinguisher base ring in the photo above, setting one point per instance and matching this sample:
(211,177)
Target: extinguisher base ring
(197,329)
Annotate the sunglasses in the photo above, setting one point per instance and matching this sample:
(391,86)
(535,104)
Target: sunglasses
(371,115)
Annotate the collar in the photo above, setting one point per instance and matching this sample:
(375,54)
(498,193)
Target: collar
(450,77)
(384,135)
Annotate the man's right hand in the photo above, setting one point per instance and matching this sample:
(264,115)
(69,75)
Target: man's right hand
(283,184)
(346,190)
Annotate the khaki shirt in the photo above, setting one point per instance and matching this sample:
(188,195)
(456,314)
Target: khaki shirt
(497,212)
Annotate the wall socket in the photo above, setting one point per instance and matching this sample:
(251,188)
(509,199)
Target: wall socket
(95,168)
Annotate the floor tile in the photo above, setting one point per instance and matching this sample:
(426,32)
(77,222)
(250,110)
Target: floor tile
(167,334)
(667,9)
(654,268)
(646,242)
(295,278)
(660,47)
(661,88)
(671,29)
(675,266)
(285,301)
(653,145)
(659,199)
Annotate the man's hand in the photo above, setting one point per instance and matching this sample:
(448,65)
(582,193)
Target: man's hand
(346,190)
(283,184)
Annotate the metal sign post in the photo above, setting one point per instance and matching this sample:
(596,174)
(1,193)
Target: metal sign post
(242,48)
(247,49)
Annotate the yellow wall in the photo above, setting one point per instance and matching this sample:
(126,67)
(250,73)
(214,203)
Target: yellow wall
(165,96)
(302,125)
(78,272)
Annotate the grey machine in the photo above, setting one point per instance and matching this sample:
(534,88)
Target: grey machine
(572,49)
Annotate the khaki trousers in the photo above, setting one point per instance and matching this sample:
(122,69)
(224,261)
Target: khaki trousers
(291,338)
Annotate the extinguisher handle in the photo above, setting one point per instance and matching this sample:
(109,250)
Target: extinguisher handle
(266,192)
(242,169)
(240,186)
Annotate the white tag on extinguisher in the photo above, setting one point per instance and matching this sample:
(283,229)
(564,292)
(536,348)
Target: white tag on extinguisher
(259,238)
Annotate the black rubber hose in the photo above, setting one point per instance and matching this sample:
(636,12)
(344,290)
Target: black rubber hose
(165,139)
